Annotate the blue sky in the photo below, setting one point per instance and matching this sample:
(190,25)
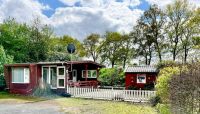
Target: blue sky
(79,18)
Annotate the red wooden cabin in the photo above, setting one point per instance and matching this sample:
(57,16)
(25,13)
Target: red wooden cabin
(139,76)
(23,78)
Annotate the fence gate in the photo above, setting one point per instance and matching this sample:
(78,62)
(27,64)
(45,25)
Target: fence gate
(111,94)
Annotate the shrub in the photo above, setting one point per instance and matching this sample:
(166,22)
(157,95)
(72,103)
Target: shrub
(149,86)
(155,100)
(162,85)
(184,90)
(111,77)
(163,108)
(2,83)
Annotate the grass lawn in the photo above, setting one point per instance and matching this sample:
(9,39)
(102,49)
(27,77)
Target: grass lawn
(6,97)
(83,106)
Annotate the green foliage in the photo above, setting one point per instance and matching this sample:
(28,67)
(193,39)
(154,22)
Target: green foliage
(154,101)
(163,108)
(91,44)
(168,63)
(4,58)
(111,77)
(163,80)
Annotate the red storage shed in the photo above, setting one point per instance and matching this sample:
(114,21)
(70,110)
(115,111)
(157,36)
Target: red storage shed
(140,76)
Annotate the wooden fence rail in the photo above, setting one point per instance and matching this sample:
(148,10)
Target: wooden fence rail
(111,94)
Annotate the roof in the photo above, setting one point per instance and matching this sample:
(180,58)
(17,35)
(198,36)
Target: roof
(56,63)
(141,69)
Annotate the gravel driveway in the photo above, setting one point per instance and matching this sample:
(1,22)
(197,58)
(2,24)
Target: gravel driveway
(42,107)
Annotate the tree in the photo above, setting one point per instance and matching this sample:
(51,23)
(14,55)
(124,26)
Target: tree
(178,15)
(145,46)
(153,20)
(38,42)
(110,47)
(111,77)
(4,59)
(127,50)
(91,44)
(14,37)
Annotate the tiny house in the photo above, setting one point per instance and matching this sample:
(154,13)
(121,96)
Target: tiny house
(140,76)
(23,78)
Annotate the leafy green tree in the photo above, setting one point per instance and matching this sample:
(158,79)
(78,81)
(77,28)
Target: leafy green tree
(178,15)
(145,44)
(111,77)
(58,49)
(38,42)
(4,59)
(91,44)
(14,38)
(110,48)
(126,49)
(153,21)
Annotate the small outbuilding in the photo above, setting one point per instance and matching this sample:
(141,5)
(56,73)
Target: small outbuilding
(139,77)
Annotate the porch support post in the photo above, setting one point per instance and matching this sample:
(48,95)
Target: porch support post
(86,71)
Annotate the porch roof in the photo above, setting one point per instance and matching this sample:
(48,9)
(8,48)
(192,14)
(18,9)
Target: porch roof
(72,62)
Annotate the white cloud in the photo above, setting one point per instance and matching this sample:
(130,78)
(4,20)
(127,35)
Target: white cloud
(164,3)
(94,16)
(22,10)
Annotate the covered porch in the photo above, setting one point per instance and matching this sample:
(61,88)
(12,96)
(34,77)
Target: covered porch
(72,74)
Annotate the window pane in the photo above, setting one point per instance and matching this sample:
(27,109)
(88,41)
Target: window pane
(84,74)
(61,82)
(26,75)
(18,75)
(53,76)
(141,78)
(61,71)
(89,73)
(45,74)
(94,73)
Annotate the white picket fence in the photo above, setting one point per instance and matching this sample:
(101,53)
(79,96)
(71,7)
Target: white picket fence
(111,94)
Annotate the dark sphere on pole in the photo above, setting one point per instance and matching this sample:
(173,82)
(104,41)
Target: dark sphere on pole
(71,48)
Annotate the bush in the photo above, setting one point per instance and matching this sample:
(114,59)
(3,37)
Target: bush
(184,90)
(111,77)
(163,108)
(149,86)
(2,83)
(162,85)
(155,100)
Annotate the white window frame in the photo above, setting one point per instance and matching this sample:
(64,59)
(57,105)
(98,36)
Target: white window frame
(141,75)
(26,81)
(49,76)
(88,73)
(60,76)
(58,82)
(74,74)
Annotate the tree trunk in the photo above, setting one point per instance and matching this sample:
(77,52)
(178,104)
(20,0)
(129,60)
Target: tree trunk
(113,63)
(124,63)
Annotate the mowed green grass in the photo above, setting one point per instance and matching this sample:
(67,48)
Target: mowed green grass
(85,106)
(6,97)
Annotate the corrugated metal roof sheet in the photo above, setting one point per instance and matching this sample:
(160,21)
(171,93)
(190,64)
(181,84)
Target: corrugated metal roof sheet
(141,69)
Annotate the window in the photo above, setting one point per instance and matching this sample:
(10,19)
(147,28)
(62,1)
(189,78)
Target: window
(61,83)
(20,75)
(141,78)
(61,71)
(90,74)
